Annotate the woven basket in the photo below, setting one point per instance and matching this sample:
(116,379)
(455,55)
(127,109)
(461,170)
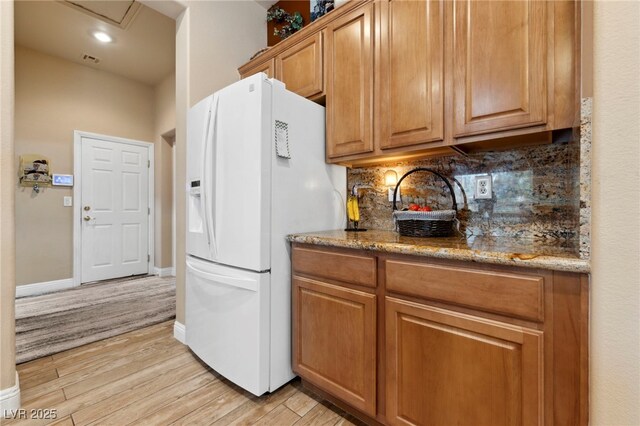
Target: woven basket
(436,223)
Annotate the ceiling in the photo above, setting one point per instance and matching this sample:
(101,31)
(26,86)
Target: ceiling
(266,3)
(143,46)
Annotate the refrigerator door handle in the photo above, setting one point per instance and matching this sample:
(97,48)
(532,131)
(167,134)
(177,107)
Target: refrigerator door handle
(206,193)
(209,214)
(243,283)
(203,175)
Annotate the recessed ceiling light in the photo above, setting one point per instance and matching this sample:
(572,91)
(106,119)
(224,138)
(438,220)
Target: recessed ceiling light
(103,37)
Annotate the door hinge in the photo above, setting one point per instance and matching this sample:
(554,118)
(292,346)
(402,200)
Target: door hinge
(148,258)
(148,164)
(148,210)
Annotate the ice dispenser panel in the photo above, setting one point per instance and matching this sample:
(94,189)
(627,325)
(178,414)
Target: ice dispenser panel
(195,207)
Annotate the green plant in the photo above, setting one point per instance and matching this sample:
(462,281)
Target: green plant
(291,22)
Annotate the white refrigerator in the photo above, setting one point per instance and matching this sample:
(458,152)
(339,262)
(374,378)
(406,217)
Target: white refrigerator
(256,172)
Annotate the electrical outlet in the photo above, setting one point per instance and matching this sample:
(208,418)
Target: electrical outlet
(483,188)
(391,195)
(67,201)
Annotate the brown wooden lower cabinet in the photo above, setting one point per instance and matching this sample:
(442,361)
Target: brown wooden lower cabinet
(335,341)
(408,351)
(447,368)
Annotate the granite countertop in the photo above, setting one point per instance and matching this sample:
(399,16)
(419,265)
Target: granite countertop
(553,255)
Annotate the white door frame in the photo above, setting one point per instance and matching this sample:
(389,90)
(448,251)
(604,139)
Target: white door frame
(77,198)
(173,205)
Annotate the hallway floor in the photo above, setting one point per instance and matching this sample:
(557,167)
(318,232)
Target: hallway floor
(147,377)
(56,322)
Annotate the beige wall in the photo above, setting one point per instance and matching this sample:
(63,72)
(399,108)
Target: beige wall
(7,177)
(165,105)
(212,40)
(182,105)
(223,35)
(615,286)
(164,128)
(54,97)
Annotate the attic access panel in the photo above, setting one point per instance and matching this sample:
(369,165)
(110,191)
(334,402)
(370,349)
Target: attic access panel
(119,13)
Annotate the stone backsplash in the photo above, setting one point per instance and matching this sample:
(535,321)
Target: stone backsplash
(536,191)
(585,178)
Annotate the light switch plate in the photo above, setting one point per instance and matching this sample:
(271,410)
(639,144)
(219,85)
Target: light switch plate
(67,201)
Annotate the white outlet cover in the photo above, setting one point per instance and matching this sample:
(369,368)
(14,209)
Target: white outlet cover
(483,188)
(67,201)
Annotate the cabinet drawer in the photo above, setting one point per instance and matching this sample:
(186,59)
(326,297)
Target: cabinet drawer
(505,293)
(349,268)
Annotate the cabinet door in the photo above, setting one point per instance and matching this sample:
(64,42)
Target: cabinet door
(409,103)
(265,67)
(447,368)
(334,340)
(499,65)
(300,67)
(349,57)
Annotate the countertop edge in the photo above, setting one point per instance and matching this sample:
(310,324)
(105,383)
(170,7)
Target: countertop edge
(554,263)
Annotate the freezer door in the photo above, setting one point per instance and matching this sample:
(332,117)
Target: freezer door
(241,180)
(227,322)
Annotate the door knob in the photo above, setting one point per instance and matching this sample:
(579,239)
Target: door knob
(87,218)
(87,208)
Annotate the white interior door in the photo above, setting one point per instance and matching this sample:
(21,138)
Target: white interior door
(115,209)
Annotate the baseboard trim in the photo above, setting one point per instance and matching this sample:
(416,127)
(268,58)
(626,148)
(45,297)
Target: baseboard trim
(44,287)
(165,272)
(179,332)
(10,400)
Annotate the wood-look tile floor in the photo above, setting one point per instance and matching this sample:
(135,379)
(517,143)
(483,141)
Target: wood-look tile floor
(146,377)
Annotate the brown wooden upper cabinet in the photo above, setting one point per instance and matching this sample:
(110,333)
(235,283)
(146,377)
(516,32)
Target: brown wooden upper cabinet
(349,62)
(409,95)
(499,65)
(406,78)
(267,67)
(301,67)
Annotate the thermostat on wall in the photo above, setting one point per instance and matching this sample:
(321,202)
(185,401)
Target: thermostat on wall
(62,180)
